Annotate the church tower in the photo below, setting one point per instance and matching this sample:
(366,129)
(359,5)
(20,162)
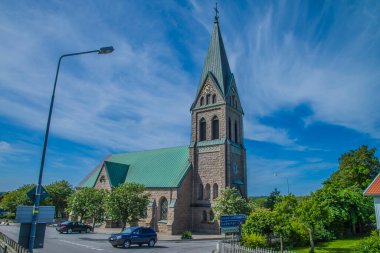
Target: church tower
(217,152)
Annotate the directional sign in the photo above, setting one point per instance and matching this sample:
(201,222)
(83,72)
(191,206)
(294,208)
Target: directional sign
(230,230)
(239,217)
(24,214)
(231,223)
(32,194)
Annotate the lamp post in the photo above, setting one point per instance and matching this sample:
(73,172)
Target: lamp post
(103,50)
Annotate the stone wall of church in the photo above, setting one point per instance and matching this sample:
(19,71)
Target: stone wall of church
(102,180)
(182,210)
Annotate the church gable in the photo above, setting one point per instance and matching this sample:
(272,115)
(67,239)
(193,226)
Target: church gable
(103,182)
(209,94)
(232,96)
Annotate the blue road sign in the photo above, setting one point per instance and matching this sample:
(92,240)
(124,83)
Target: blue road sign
(231,223)
(236,217)
(32,194)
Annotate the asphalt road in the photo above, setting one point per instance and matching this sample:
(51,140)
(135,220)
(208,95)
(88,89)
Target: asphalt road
(96,242)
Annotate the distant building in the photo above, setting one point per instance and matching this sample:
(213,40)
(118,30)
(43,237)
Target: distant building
(184,181)
(373,190)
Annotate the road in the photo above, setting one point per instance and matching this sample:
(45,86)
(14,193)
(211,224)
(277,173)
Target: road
(96,242)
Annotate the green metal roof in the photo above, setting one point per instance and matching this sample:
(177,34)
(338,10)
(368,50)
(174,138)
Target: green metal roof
(216,62)
(164,167)
(116,172)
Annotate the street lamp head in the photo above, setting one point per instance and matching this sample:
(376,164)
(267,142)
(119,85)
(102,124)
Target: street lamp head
(106,50)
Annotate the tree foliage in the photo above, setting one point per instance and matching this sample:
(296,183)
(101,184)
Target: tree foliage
(272,199)
(357,168)
(127,202)
(312,213)
(261,221)
(16,198)
(58,194)
(284,210)
(229,202)
(87,203)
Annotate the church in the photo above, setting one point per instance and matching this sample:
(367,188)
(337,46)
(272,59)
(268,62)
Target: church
(184,181)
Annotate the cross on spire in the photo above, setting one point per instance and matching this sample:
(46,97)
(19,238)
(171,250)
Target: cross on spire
(216,13)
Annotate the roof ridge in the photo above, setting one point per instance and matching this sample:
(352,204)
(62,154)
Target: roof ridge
(148,150)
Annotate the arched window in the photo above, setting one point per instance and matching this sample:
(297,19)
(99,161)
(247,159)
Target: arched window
(202,101)
(102,179)
(202,130)
(204,216)
(200,191)
(215,190)
(229,128)
(215,128)
(233,100)
(214,98)
(208,99)
(236,131)
(164,209)
(207,192)
(212,216)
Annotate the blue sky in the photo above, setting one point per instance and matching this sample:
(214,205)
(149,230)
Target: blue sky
(307,72)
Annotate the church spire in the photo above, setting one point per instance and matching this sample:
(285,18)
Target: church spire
(216,61)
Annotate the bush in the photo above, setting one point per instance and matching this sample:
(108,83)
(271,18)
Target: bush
(186,235)
(370,244)
(254,241)
(9,216)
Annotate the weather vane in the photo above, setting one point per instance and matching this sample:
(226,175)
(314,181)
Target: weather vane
(216,12)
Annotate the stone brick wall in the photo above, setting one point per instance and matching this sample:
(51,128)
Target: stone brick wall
(104,184)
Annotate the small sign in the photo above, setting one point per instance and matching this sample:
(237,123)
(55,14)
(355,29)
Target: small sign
(32,194)
(239,217)
(225,230)
(24,214)
(231,223)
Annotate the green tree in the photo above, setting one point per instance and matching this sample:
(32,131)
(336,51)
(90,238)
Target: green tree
(312,213)
(58,194)
(87,203)
(16,198)
(260,221)
(272,199)
(127,202)
(229,202)
(356,168)
(369,244)
(284,209)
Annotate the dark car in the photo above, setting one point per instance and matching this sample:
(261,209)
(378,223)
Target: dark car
(73,226)
(134,235)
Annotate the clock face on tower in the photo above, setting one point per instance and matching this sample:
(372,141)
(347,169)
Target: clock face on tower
(234,168)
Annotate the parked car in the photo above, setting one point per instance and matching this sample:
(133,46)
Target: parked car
(73,226)
(134,235)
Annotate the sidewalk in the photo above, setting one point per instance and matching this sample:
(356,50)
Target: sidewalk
(163,236)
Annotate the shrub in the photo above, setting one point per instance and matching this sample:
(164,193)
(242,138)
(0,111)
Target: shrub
(9,216)
(186,235)
(254,240)
(369,244)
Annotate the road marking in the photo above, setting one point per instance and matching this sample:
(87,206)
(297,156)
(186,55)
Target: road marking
(81,245)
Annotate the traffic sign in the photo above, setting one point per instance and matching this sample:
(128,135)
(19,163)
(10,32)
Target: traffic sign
(32,194)
(24,214)
(230,223)
(230,230)
(239,217)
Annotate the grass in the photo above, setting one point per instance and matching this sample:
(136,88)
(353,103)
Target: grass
(337,246)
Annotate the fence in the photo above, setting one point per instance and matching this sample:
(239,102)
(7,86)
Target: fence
(7,245)
(233,246)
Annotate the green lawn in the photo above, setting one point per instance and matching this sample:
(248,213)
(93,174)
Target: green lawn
(338,246)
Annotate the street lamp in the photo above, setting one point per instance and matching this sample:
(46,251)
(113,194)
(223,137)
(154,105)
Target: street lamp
(103,50)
